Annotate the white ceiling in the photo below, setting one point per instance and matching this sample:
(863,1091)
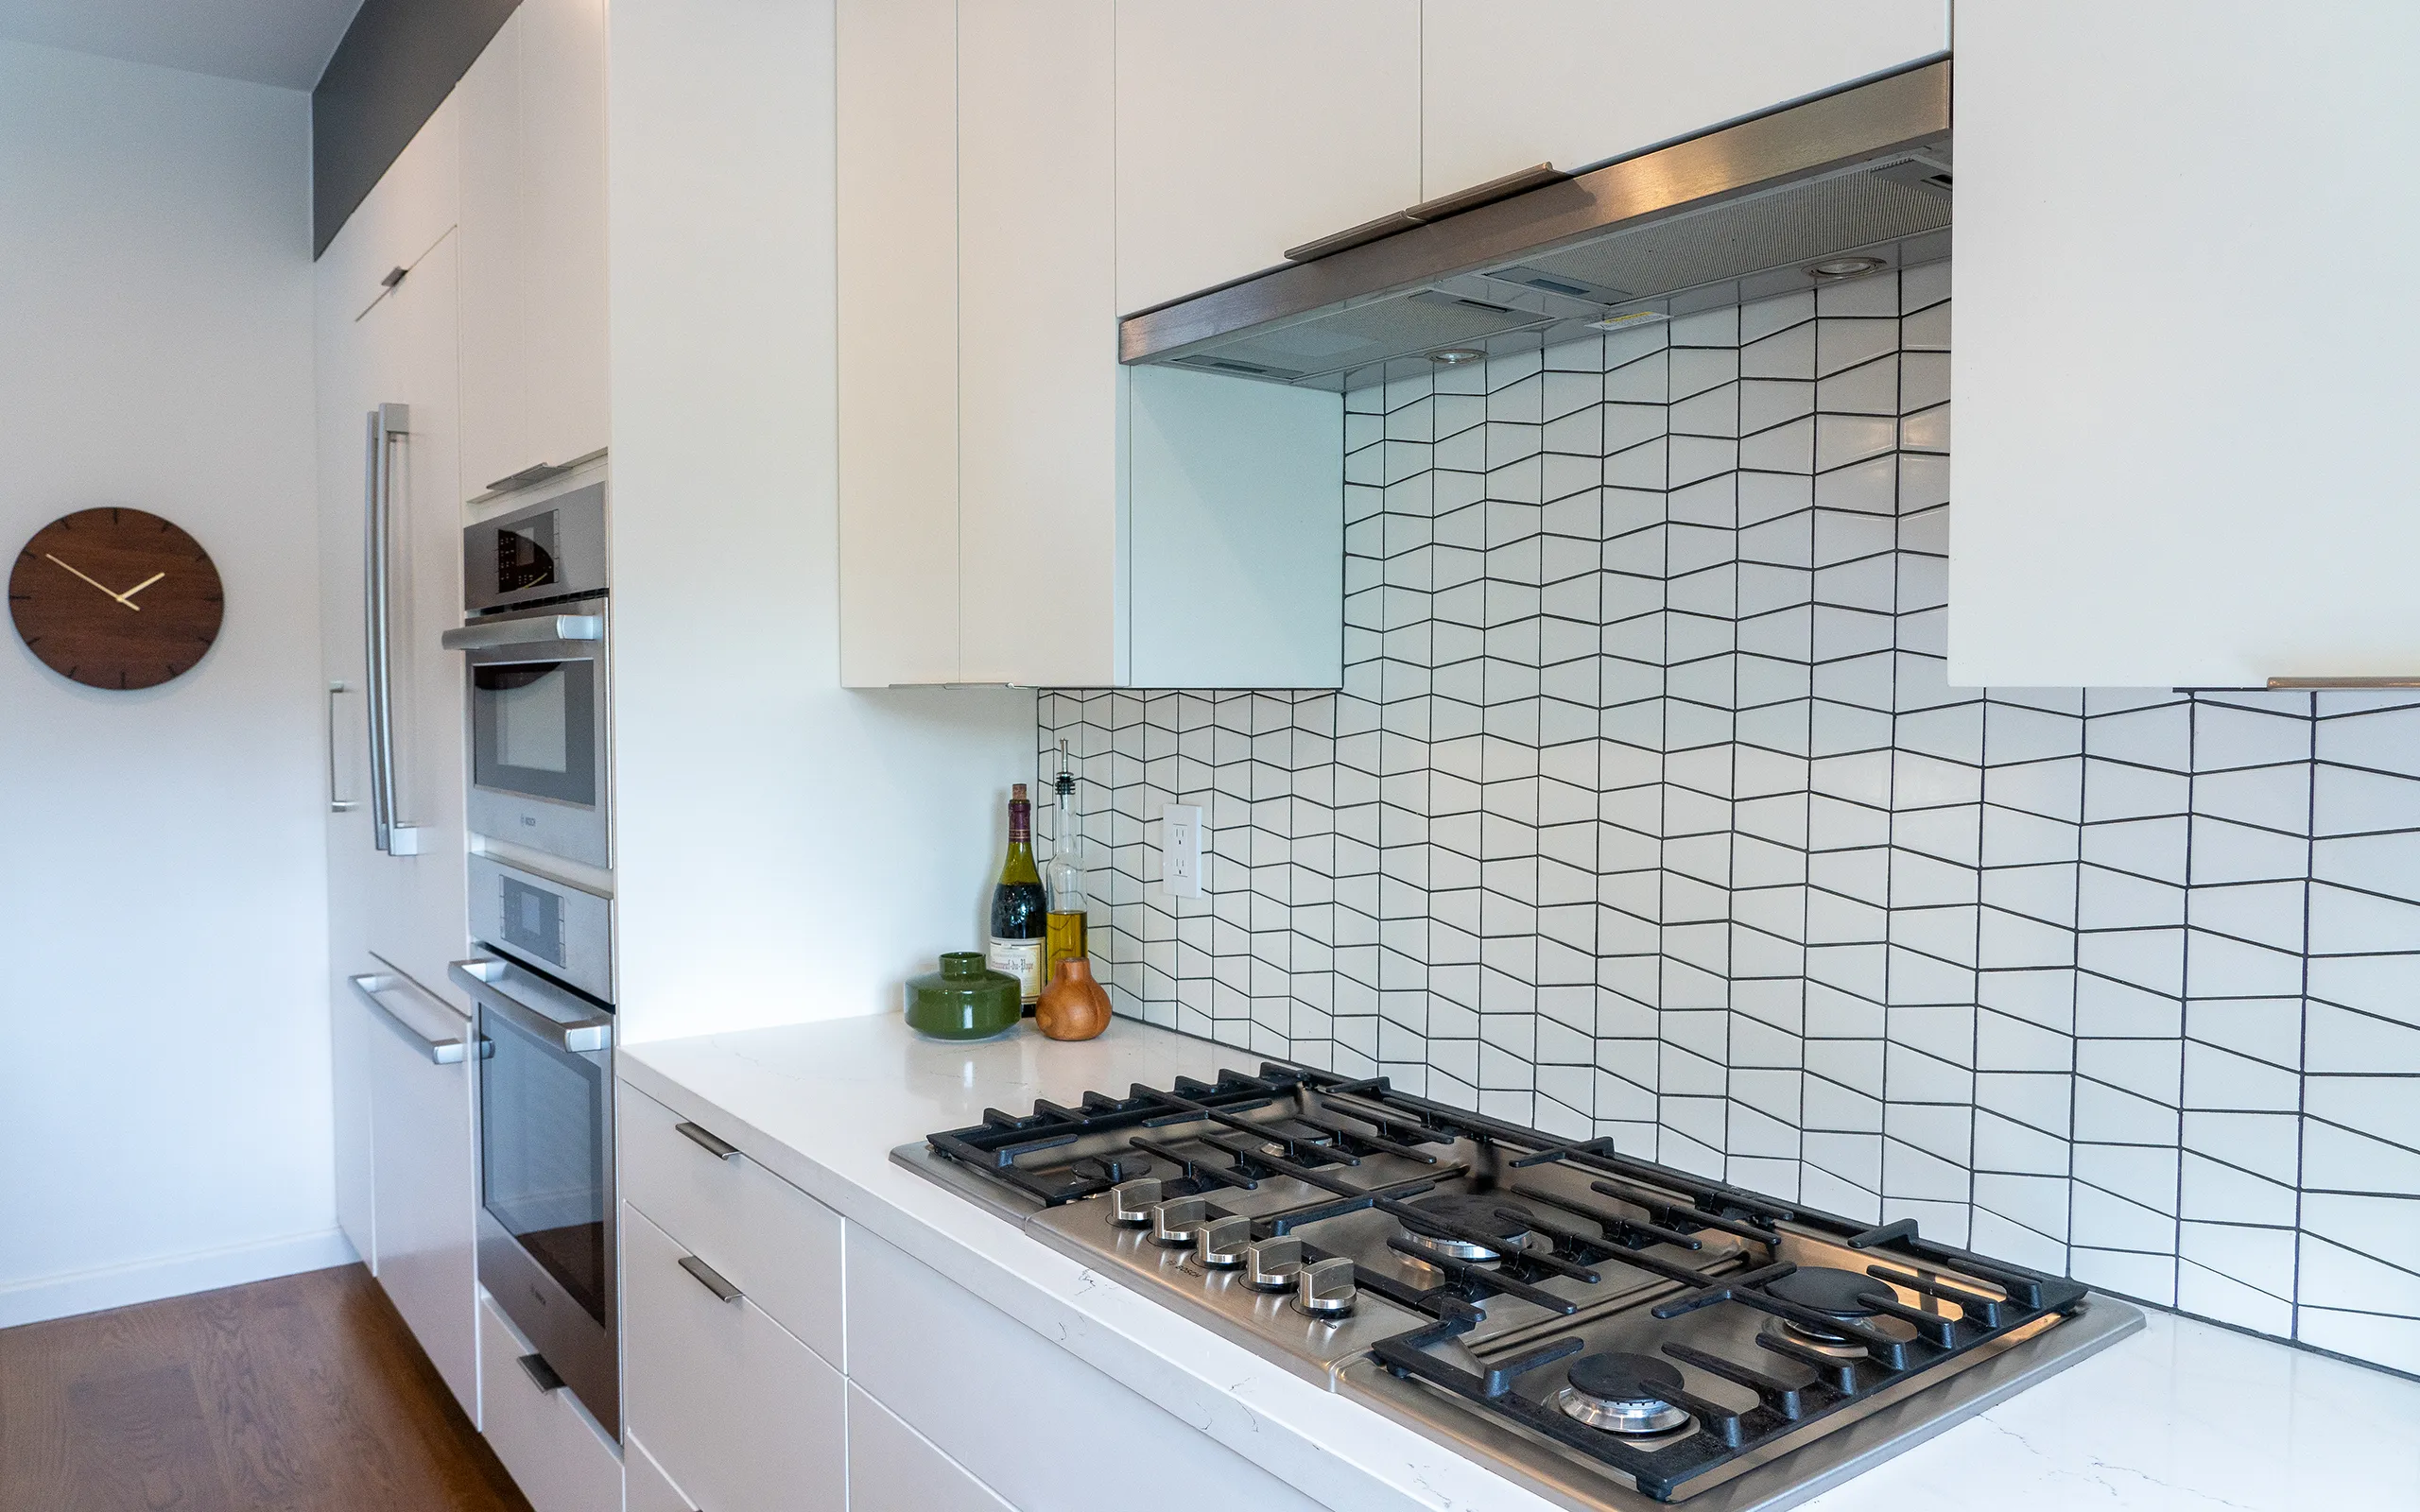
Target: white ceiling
(268,41)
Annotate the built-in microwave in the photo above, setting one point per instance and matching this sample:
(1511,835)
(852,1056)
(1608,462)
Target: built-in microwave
(536,639)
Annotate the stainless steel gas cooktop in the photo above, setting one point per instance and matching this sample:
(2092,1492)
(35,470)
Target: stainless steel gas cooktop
(1608,1331)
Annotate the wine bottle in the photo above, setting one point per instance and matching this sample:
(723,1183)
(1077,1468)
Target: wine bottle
(1020,908)
(1065,876)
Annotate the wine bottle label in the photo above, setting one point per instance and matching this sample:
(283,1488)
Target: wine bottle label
(1022,959)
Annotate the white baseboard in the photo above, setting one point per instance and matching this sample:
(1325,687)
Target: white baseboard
(147,1281)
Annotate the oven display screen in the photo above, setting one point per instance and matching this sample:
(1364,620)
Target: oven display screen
(525,554)
(533,919)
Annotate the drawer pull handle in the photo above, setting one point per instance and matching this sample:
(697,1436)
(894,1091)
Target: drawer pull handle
(710,1279)
(720,1149)
(542,1373)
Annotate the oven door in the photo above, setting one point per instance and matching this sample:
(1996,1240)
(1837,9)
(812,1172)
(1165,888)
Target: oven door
(546,1088)
(537,719)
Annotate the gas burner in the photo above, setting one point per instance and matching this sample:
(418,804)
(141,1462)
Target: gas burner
(1123,1166)
(1627,1394)
(1832,1293)
(1467,1211)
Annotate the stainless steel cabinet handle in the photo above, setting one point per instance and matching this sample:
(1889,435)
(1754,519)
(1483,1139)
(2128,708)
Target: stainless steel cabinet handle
(710,1279)
(552,1014)
(538,631)
(387,425)
(541,1372)
(720,1149)
(336,804)
(370,983)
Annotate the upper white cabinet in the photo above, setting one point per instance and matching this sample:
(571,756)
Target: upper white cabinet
(2183,354)
(1015,507)
(1252,125)
(1574,82)
(534,372)
(1037,343)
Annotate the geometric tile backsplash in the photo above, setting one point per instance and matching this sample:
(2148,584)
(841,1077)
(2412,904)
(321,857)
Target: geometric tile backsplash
(1647,811)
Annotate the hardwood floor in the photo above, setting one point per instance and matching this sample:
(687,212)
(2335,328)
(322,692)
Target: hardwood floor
(304,1394)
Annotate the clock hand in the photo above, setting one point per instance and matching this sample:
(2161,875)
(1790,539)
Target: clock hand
(127,596)
(88,579)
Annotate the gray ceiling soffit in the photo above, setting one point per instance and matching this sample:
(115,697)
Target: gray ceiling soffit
(396,65)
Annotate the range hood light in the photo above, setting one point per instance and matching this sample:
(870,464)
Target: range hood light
(1627,319)
(1456,357)
(1844,267)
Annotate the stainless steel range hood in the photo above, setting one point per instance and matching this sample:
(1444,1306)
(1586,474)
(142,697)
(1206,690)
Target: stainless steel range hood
(1858,179)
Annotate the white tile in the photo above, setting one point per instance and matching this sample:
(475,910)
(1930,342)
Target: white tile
(2387,741)
(2350,802)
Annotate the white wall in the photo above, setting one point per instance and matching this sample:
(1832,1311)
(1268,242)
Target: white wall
(786,848)
(164,1061)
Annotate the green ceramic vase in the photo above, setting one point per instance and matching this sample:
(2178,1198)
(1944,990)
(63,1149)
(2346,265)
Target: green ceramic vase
(964,1000)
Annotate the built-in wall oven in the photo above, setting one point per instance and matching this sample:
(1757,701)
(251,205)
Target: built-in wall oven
(535,631)
(544,1030)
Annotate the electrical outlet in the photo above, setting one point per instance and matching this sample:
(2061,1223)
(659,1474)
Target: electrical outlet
(1180,849)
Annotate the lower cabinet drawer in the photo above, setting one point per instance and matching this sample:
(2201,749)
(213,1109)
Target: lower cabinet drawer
(556,1455)
(645,1487)
(776,1243)
(735,1409)
(1051,1432)
(894,1469)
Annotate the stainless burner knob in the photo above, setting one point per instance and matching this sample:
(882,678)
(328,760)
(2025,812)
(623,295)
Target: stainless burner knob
(1176,1224)
(1226,1242)
(1130,1202)
(1326,1287)
(1272,1265)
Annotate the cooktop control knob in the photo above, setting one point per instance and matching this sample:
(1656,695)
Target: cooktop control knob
(1272,1265)
(1326,1287)
(1175,1224)
(1226,1242)
(1130,1202)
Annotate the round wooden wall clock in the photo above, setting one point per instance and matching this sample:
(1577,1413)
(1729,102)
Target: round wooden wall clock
(115,598)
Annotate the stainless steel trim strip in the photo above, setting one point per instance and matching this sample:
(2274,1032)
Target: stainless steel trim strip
(2282,683)
(336,804)
(720,1149)
(1870,120)
(371,984)
(526,632)
(1429,209)
(586,1031)
(710,1279)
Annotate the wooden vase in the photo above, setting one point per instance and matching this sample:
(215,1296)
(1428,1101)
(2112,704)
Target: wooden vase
(1073,1005)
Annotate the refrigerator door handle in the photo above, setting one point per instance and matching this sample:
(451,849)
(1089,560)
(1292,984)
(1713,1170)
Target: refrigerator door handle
(387,425)
(371,984)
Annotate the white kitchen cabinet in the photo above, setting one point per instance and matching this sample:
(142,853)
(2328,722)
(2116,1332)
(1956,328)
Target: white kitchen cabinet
(1574,82)
(534,373)
(1252,125)
(2170,468)
(386,323)
(771,1240)
(904,1316)
(1037,345)
(897,194)
(737,1411)
(558,1458)
(894,1469)
(645,1487)
(994,526)
(425,1172)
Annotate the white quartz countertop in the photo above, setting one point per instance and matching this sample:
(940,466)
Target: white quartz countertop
(2181,1415)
